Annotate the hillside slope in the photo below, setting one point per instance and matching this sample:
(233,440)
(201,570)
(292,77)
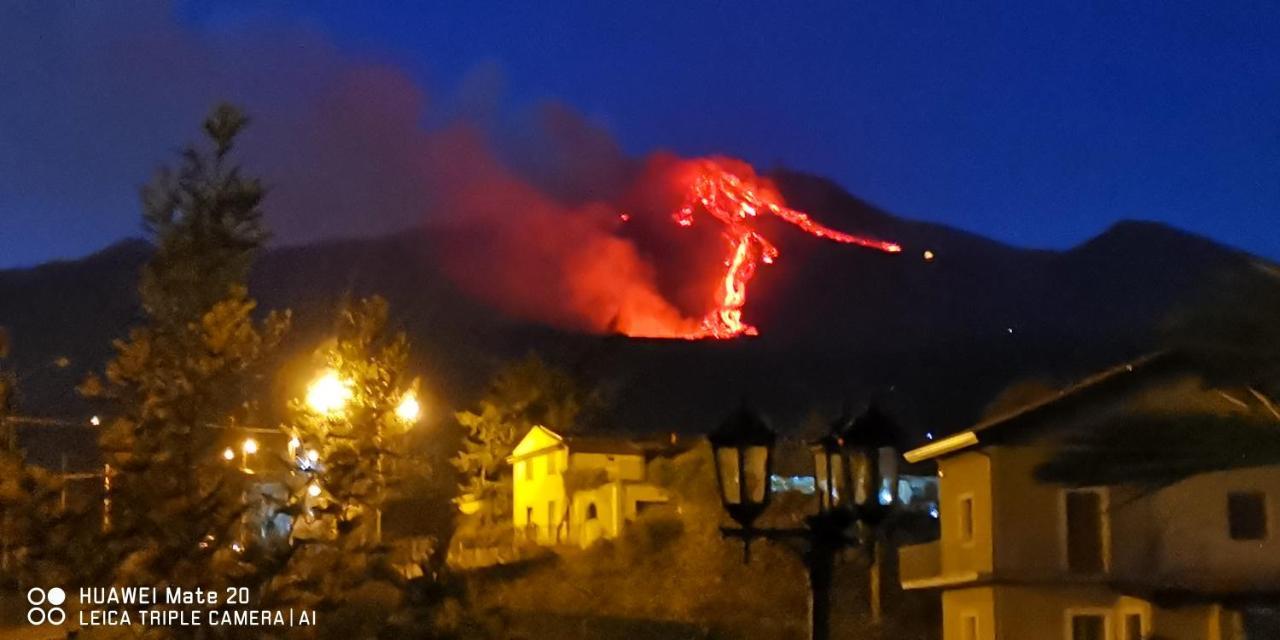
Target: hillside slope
(938,338)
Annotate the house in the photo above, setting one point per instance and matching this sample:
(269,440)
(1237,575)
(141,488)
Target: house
(1019,558)
(575,490)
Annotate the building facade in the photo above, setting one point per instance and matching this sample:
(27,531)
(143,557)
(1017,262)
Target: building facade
(1019,558)
(577,490)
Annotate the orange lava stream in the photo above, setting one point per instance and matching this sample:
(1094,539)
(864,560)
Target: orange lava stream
(736,203)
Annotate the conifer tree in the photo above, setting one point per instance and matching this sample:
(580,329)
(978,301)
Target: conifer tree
(349,435)
(188,372)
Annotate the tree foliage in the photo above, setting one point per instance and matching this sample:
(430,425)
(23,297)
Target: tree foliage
(189,372)
(1154,449)
(524,394)
(338,563)
(1232,336)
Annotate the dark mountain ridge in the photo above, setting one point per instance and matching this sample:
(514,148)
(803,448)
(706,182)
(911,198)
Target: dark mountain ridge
(935,339)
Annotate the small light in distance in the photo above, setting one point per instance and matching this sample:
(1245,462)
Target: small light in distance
(313,490)
(95,421)
(228,454)
(928,255)
(250,446)
(313,456)
(625,217)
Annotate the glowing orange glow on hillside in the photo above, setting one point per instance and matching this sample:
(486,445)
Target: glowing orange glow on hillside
(736,203)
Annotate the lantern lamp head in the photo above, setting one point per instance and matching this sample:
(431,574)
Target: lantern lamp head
(832,472)
(873,442)
(742,447)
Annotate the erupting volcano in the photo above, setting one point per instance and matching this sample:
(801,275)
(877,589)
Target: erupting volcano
(590,267)
(737,203)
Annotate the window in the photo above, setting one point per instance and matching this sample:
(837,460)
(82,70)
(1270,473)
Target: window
(528,469)
(1133,626)
(551,463)
(1247,515)
(1086,529)
(592,514)
(1090,626)
(968,626)
(966,518)
(552,520)
(528,516)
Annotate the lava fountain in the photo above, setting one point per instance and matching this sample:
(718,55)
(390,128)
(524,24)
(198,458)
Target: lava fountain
(737,203)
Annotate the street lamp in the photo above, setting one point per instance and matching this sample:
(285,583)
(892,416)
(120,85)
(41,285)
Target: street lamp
(742,447)
(874,442)
(408,410)
(247,448)
(329,394)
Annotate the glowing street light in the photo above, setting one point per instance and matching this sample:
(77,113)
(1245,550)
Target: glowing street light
(247,448)
(408,410)
(328,394)
(228,454)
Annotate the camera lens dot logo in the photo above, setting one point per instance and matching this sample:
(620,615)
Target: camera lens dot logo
(40,614)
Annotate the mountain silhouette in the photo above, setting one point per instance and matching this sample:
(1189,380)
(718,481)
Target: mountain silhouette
(933,339)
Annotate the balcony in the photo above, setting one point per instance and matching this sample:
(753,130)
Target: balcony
(920,565)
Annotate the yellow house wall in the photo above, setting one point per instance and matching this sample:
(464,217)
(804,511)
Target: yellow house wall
(967,474)
(609,520)
(531,496)
(617,466)
(1044,611)
(957,604)
(1194,543)
(1029,516)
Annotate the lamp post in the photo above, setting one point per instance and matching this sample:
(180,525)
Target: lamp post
(845,480)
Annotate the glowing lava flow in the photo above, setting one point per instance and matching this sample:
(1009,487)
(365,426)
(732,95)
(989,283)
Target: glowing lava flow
(736,203)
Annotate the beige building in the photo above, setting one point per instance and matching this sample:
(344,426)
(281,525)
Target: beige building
(570,490)
(1020,559)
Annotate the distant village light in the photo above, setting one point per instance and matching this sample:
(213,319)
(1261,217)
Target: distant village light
(95,421)
(228,454)
(250,446)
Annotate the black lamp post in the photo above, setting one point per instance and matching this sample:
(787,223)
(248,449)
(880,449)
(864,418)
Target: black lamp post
(846,482)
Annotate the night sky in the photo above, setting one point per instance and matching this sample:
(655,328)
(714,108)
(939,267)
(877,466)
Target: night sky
(1037,123)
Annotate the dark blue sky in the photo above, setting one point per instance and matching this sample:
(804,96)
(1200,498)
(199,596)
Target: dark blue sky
(1036,123)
